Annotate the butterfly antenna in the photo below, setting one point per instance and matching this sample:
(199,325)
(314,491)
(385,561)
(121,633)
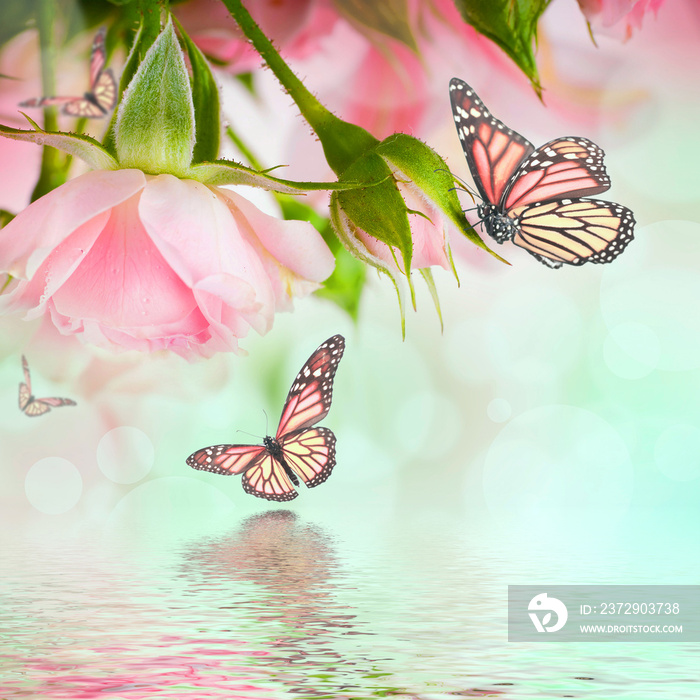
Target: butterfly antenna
(465,187)
(267,428)
(257,437)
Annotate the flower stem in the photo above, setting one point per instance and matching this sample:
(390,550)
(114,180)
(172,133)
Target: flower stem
(342,142)
(53,171)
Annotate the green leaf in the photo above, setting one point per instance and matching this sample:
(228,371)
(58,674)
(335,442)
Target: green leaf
(155,128)
(414,161)
(512,24)
(378,210)
(205,95)
(79,145)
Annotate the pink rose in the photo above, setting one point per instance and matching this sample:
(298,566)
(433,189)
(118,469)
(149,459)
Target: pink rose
(129,261)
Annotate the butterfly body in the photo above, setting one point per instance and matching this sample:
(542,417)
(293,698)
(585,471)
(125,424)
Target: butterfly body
(537,198)
(299,449)
(273,446)
(29,404)
(497,224)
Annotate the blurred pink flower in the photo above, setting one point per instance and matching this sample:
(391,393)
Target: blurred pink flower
(359,72)
(135,262)
(294,25)
(615,17)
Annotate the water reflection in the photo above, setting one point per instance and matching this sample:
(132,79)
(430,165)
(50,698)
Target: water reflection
(278,608)
(295,581)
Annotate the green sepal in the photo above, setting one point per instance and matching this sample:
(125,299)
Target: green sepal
(155,129)
(148,31)
(227,172)
(79,145)
(378,210)
(414,161)
(427,274)
(512,24)
(205,96)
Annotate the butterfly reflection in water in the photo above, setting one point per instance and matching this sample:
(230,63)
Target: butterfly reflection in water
(103,88)
(534,197)
(30,405)
(271,470)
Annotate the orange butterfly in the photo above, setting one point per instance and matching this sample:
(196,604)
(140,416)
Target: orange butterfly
(103,88)
(537,197)
(32,406)
(270,470)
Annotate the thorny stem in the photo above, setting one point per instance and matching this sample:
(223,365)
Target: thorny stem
(342,142)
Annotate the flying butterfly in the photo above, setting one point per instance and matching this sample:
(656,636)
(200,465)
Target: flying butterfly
(29,404)
(538,197)
(102,96)
(272,470)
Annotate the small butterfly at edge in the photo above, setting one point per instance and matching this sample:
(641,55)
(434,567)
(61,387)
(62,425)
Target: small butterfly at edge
(270,470)
(535,197)
(103,88)
(29,404)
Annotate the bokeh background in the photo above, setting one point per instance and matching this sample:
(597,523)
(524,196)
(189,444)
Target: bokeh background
(551,431)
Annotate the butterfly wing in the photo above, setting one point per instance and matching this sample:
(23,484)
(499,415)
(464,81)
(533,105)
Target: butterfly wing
(98,57)
(266,478)
(105,91)
(309,399)
(569,167)
(310,453)
(83,108)
(493,151)
(25,395)
(25,388)
(225,459)
(36,408)
(56,402)
(49,101)
(103,88)
(573,231)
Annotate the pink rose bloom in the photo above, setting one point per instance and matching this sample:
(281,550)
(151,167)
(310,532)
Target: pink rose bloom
(612,16)
(124,260)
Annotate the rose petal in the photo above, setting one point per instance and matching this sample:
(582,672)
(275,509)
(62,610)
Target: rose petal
(35,232)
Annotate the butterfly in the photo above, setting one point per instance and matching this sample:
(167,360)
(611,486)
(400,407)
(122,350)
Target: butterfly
(30,405)
(103,88)
(538,197)
(270,470)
